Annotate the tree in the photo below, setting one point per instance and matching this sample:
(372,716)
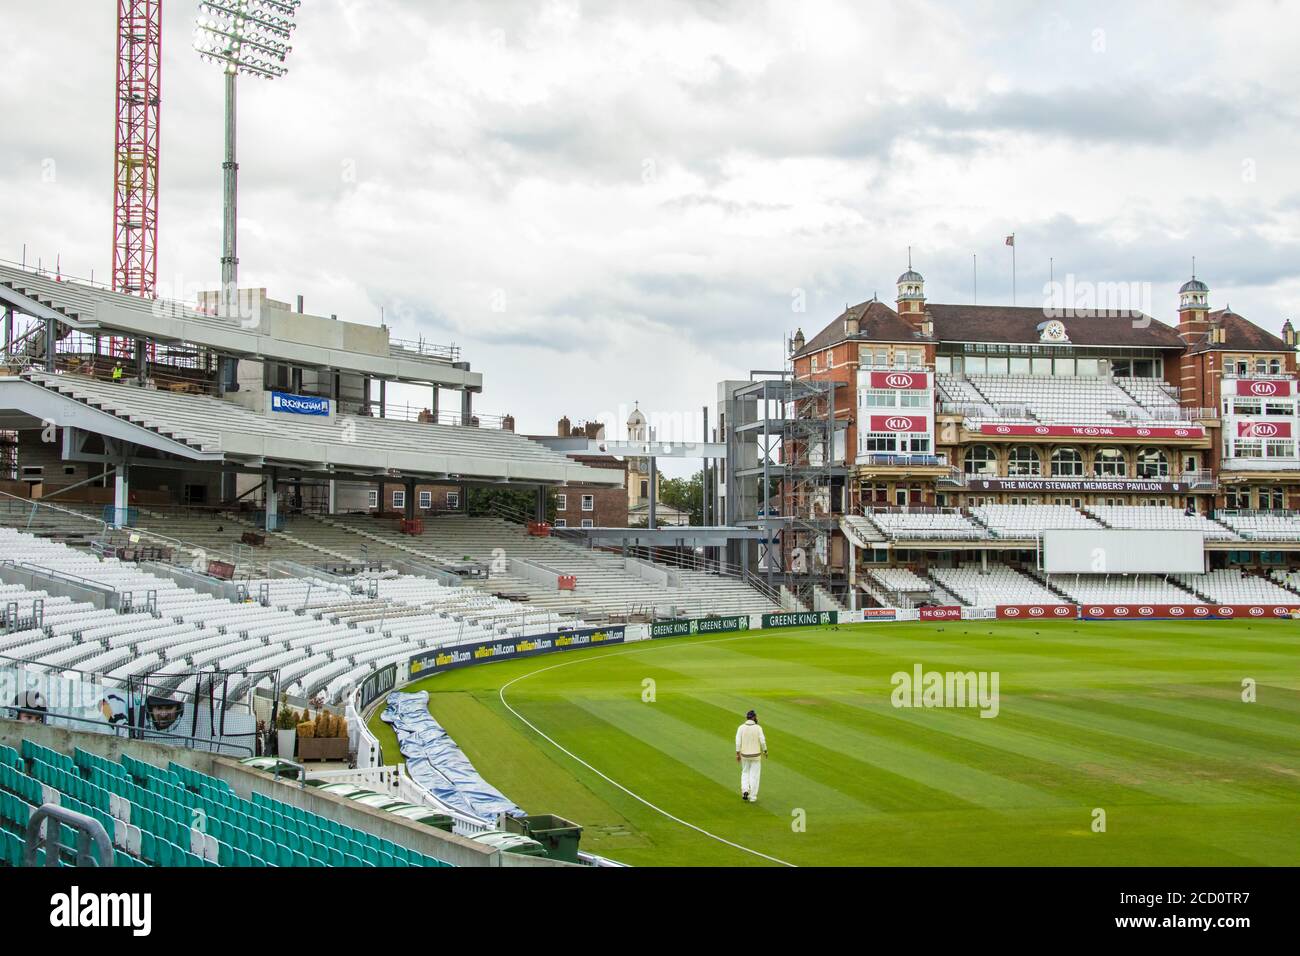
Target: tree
(685,494)
(514,500)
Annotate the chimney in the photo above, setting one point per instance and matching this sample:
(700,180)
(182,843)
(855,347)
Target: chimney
(300,305)
(797,343)
(592,430)
(852,323)
(508,423)
(1288,334)
(563,427)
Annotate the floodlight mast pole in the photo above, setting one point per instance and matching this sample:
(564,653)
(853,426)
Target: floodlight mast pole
(244,36)
(229,206)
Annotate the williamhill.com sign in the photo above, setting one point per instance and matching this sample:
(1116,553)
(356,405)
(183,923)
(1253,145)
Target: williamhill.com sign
(800,618)
(482,652)
(699,625)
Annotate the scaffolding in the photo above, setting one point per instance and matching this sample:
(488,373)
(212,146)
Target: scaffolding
(788,472)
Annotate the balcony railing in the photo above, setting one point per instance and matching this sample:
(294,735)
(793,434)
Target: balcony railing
(894,460)
(1260,464)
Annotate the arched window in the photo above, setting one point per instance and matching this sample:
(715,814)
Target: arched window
(981,460)
(1110,463)
(1067,463)
(1152,463)
(1024,462)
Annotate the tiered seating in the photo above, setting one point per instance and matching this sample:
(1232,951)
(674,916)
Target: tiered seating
(1157,396)
(1117,589)
(926,525)
(336,643)
(176,816)
(955,390)
(998,584)
(1288,579)
(1234,586)
(1264,527)
(1061,399)
(605,586)
(1027,521)
(901,579)
(200,421)
(1153,517)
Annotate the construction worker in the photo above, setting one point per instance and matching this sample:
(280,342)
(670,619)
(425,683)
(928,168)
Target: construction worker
(751,748)
(117,372)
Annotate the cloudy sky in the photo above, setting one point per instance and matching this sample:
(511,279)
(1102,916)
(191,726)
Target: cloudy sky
(612,202)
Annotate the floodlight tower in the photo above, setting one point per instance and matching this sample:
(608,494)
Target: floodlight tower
(244,36)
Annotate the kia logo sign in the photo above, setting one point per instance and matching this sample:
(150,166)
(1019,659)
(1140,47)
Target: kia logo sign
(1004,430)
(898,381)
(1013,612)
(1262,429)
(1146,611)
(1180,432)
(1176,611)
(1041,429)
(1256,611)
(1263,388)
(1096,610)
(1121,611)
(1035,612)
(899,424)
(1225,611)
(1200,611)
(1062,612)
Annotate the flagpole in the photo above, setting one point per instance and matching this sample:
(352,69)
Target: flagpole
(975,279)
(1013,268)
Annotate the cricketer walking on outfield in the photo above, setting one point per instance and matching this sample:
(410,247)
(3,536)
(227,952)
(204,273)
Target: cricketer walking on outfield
(751,748)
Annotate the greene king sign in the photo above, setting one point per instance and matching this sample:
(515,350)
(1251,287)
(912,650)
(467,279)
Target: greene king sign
(699,625)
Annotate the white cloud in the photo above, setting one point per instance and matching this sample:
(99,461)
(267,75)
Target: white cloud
(646,184)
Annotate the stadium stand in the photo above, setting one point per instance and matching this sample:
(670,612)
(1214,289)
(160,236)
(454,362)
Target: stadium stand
(177,630)
(998,584)
(1138,517)
(150,814)
(1263,527)
(929,525)
(1027,521)
(1116,589)
(1234,586)
(606,583)
(1075,400)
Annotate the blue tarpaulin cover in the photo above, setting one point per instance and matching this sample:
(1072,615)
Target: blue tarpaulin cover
(436,763)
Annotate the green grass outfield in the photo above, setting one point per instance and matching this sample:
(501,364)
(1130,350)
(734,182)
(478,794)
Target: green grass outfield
(1143,720)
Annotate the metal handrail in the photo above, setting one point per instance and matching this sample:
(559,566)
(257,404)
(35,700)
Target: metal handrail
(88,830)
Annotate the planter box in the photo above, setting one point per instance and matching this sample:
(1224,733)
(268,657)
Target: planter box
(322,748)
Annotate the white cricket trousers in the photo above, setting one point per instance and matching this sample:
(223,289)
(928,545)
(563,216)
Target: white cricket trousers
(750,770)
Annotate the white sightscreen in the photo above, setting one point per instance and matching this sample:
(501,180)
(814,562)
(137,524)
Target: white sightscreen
(1109,551)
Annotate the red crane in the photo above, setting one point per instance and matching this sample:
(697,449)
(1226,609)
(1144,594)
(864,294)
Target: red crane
(135,162)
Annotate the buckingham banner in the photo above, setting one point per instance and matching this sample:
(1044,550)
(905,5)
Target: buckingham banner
(480,652)
(800,618)
(378,683)
(699,625)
